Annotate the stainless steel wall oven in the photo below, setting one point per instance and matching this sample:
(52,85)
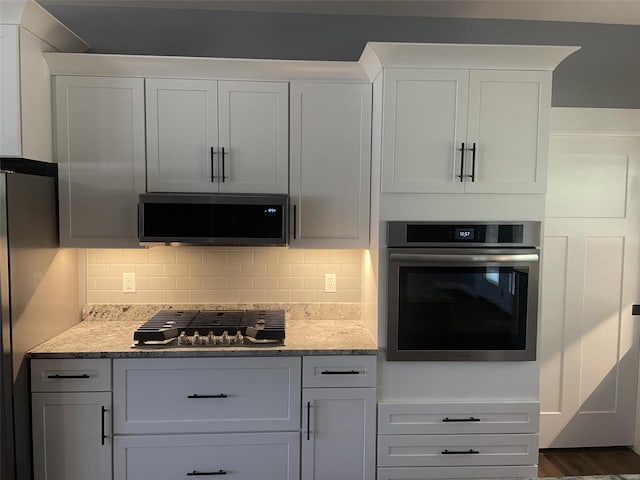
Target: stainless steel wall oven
(462,291)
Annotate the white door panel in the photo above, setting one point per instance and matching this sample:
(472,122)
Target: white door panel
(589,347)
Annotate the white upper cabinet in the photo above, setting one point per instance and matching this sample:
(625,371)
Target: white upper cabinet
(217,136)
(330,165)
(100,152)
(508,121)
(424,123)
(182,133)
(458,130)
(254,125)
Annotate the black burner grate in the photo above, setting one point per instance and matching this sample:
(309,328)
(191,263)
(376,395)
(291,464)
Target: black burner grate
(168,324)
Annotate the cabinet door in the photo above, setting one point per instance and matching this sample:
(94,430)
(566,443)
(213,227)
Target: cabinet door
(509,123)
(101,157)
(182,135)
(243,456)
(339,433)
(254,131)
(424,125)
(330,165)
(72,436)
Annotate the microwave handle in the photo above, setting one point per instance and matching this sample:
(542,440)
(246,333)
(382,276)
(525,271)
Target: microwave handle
(462,258)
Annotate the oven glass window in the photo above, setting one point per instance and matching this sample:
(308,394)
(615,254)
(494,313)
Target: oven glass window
(462,308)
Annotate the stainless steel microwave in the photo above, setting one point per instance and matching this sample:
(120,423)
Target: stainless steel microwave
(213,219)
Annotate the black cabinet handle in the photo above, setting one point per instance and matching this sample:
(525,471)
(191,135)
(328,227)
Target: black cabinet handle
(224,177)
(104,410)
(340,372)
(213,177)
(473,162)
(56,376)
(461,150)
(218,395)
(295,221)
(460,452)
(308,420)
(197,473)
(452,420)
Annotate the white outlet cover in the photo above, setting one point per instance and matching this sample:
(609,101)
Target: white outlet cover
(128,283)
(330,283)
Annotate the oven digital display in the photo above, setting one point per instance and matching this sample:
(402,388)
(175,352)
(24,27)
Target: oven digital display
(467,233)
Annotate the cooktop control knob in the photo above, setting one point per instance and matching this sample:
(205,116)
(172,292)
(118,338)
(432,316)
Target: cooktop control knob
(211,339)
(238,338)
(224,339)
(196,339)
(183,339)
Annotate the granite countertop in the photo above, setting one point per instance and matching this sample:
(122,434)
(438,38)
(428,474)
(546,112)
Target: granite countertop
(107,332)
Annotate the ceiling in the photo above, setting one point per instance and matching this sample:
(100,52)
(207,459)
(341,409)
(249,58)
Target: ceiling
(625,12)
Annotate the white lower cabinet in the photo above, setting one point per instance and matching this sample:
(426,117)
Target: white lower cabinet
(72,438)
(243,456)
(182,417)
(457,440)
(339,424)
(71,428)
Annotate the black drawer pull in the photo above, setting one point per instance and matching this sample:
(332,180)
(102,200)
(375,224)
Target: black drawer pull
(195,473)
(460,452)
(197,395)
(84,375)
(454,420)
(340,372)
(104,436)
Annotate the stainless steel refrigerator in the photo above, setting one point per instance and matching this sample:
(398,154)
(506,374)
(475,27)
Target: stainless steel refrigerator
(38,296)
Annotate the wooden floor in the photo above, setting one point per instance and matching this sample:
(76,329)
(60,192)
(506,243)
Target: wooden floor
(587,461)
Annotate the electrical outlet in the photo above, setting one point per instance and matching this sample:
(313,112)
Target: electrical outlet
(128,282)
(330,282)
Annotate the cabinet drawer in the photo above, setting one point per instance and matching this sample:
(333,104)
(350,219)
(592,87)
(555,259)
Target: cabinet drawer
(456,450)
(453,473)
(71,375)
(244,456)
(455,418)
(206,395)
(339,371)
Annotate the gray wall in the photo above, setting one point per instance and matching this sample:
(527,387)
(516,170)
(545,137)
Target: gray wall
(605,73)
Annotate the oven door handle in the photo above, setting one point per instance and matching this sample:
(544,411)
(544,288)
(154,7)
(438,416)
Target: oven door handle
(463,258)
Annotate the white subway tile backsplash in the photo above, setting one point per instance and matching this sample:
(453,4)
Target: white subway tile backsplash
(97,270)
(291,283)
(162,255)
(188,256)
(303,296)
(304,270)
(175,270)
(253,270)
(265,283)
(278,296)
(136,256)
(241,283)
(189,283)
(175,296)
(215,283)
(222,275)
(290,256)
(162,283)
(279,270)
(148,270)
(253,296)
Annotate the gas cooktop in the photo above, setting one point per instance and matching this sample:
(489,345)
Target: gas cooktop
(212,328)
